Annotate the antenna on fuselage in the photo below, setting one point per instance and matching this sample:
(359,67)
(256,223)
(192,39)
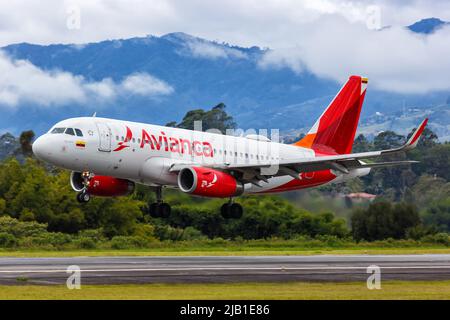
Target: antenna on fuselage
(94,115)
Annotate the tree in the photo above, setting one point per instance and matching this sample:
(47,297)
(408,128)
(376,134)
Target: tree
(361,144)
(436,161)
(120,217)
(216,118)
(388,140)
(429,190)
(438,215)
(26,138)
(382,220)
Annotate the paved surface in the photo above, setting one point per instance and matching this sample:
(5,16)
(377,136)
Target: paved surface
(114,270)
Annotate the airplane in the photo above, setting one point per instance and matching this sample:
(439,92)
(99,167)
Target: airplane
(109,157)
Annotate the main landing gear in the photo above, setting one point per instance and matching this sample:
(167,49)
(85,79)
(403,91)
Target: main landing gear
(231,210)
(159,209)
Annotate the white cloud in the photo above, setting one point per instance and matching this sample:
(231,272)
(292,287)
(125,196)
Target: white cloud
(328,37)
(104,89)
(394,58)
(22,82)
(210,50)
(145,85)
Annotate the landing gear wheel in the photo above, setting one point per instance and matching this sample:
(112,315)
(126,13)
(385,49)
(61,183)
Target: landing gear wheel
(236,211)
(164,210)
(159,210)
(153,210)
(83,197)
(225,211)
(231,211)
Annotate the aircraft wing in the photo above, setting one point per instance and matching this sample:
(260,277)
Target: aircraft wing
(342,162)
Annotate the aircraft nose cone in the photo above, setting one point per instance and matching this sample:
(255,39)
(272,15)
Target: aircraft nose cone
(42,148)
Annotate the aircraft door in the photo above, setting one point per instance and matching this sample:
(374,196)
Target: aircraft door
(104,133)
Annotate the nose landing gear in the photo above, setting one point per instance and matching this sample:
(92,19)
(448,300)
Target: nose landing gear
(231,210)
(84,196)
(159,209)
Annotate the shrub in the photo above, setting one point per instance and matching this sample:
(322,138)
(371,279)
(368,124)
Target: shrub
(168,233)
(145,230)
(440,238)
(2,206)
(27,215)
(94,234)
(190,233)
(7,240)
(56,239)
(85,243)
(21,228)
(383,220)
(127,242)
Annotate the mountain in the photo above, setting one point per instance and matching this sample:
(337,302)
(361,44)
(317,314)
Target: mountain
(427,26)
(202,73)
(8,145)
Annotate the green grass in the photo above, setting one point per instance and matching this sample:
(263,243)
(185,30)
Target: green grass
(225,251)
(293,290)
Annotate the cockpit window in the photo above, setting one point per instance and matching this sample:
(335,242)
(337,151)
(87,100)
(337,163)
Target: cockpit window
(79,133)
(58,130)
(70,131)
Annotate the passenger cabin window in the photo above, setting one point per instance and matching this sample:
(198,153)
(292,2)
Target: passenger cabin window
(70,131)
(58,130)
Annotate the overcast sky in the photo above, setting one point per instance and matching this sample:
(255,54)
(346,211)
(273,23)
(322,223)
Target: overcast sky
(331,38)
(270,23)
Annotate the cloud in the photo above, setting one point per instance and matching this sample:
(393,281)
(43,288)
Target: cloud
(328,37)
(394,58)
(145,85)
(22,82)
(209,50)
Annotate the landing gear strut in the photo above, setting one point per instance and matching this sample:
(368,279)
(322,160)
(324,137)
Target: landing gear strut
(159,209)
(84,196)
(231,210)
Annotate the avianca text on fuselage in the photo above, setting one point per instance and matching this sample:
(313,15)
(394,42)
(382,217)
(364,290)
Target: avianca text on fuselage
(169,144)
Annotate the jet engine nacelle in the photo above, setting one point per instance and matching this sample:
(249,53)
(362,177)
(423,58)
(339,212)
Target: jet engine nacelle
(208,183)
(102,186)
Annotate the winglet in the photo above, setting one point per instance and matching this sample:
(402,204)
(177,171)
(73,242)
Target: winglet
(414,139)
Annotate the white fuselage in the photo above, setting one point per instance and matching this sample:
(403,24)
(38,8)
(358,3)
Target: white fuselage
(144,153)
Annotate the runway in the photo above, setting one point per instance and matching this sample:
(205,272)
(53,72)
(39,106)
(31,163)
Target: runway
(201,269)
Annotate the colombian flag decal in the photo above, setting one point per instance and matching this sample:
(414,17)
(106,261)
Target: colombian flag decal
(80,144)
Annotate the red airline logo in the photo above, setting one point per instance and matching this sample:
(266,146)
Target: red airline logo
(169,144)
(123,144)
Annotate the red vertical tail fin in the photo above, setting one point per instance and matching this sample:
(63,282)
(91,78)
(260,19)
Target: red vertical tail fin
(335,130)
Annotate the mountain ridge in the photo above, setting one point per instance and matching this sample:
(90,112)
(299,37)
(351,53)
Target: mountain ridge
(202,73)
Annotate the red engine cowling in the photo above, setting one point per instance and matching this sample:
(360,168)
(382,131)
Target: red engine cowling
(102,186)
(208,183)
